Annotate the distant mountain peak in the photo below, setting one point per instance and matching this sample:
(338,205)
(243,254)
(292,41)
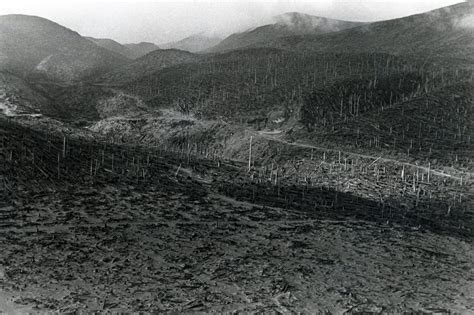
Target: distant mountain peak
(447,32)
(141,49)
(302,22)
(31,45)
(287,24)
(194,43)
(131,51)
(146,43)
(43,25)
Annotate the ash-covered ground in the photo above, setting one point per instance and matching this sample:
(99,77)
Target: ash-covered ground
(181,248)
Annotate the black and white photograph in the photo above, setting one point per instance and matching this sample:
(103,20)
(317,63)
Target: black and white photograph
(236,157)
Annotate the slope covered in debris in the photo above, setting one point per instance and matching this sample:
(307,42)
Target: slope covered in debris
(93,226)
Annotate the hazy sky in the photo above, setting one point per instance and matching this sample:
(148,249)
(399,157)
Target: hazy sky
(161,21)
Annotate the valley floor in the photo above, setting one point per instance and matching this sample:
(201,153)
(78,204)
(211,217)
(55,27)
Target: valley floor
(130,247)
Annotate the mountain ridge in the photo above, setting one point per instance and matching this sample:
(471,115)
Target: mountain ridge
(131,51)
(148,64)
(141,49)
(193,43)
(287,24)
(31,45)
(447,31)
